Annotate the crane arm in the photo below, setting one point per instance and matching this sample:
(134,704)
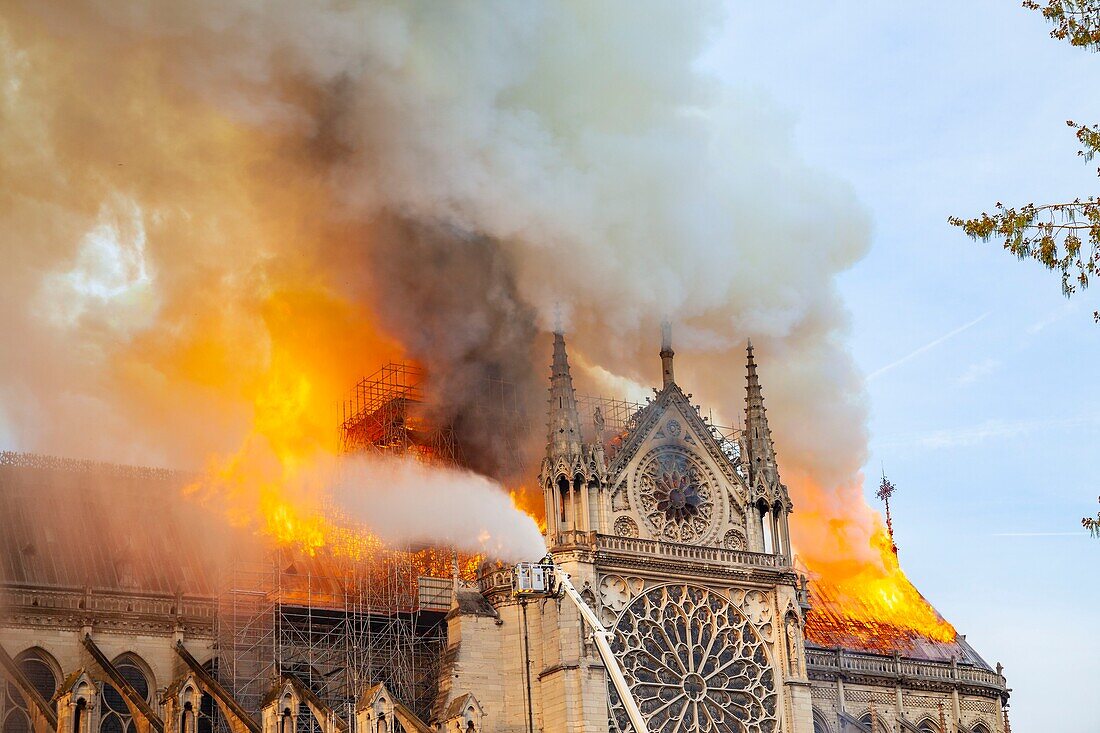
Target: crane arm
(602,638)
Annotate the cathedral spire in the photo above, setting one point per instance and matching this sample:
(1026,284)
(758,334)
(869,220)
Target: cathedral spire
(758,436)
(667,353)
(564,437)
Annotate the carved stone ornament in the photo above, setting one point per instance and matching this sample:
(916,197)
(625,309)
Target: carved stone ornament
(693,663)
(626,527)
(675,495)
(615,592)
(734,540)
(757,606)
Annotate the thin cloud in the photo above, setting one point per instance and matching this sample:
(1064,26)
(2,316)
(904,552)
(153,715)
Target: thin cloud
(1051,318)
(927,347)
(976,371)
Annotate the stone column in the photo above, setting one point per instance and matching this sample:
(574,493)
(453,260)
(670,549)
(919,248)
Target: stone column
(899,709)
(601,499)
(956,710)
(572,511)
(551,508)
(786,536)
(840,680)
(586,514)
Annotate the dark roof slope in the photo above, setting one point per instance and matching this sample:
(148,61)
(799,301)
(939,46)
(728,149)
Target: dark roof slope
(831,623)
(68,523)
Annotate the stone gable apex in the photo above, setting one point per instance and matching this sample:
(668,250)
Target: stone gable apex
(696,433)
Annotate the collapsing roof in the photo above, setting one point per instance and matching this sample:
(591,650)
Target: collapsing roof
(850,625)
(77,524)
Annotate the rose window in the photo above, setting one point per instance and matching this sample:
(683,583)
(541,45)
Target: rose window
(675,495)
(693,663)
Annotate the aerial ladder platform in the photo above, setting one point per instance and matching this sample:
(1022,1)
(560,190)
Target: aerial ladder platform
(546,579)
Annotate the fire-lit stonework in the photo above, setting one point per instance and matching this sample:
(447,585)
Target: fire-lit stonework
(675,495)
(674,531)
(678,534)
(695,661)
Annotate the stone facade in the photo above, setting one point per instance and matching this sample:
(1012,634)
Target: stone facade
(679,540)
(675,535)
(905,694)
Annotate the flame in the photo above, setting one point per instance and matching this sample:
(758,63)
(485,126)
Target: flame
(876,608)
(270,483)
(861,597)
(530,503)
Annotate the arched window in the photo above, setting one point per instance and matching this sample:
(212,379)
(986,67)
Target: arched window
(980,728)
(115,714)
(17,721)
(766,527)
(563,492)
(928,726)
(880,725)
(80,715)
(579,490)
(209,718)
(41,671)
(778,540)
(187,719)
(820,726)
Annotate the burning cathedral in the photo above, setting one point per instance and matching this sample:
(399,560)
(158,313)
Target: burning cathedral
(673,531)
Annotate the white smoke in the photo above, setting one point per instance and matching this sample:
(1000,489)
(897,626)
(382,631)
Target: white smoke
(406,502)
(620,183)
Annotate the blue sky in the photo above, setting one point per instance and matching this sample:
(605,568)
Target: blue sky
(984,399)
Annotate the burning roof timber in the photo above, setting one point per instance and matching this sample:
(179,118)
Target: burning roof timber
(851,625)
(73,524)
(51,501)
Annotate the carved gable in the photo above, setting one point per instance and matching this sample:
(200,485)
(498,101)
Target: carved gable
(672,481)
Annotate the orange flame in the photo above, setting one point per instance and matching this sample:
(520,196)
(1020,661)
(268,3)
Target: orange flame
(530,503)
(861,596)
(874,609)
(315,343)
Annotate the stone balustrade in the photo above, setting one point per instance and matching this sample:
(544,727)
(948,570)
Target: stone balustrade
(836,660)
(712,555)
(92,602)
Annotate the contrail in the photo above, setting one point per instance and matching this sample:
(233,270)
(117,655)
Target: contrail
(926,347)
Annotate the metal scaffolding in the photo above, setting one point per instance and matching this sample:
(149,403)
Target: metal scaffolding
(338,625)
(387,413)
(341,624)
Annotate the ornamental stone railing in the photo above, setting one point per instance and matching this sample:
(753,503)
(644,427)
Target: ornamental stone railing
(839,660)
(90,602)
(672,550)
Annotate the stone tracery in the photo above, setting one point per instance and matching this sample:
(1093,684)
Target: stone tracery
(675,495)
(693,662)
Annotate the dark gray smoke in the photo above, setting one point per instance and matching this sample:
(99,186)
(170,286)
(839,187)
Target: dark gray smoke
(185,185)
(452,296)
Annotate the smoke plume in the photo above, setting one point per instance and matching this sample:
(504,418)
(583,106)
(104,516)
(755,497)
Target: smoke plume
(403,502)
(219,214)
(453,298)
